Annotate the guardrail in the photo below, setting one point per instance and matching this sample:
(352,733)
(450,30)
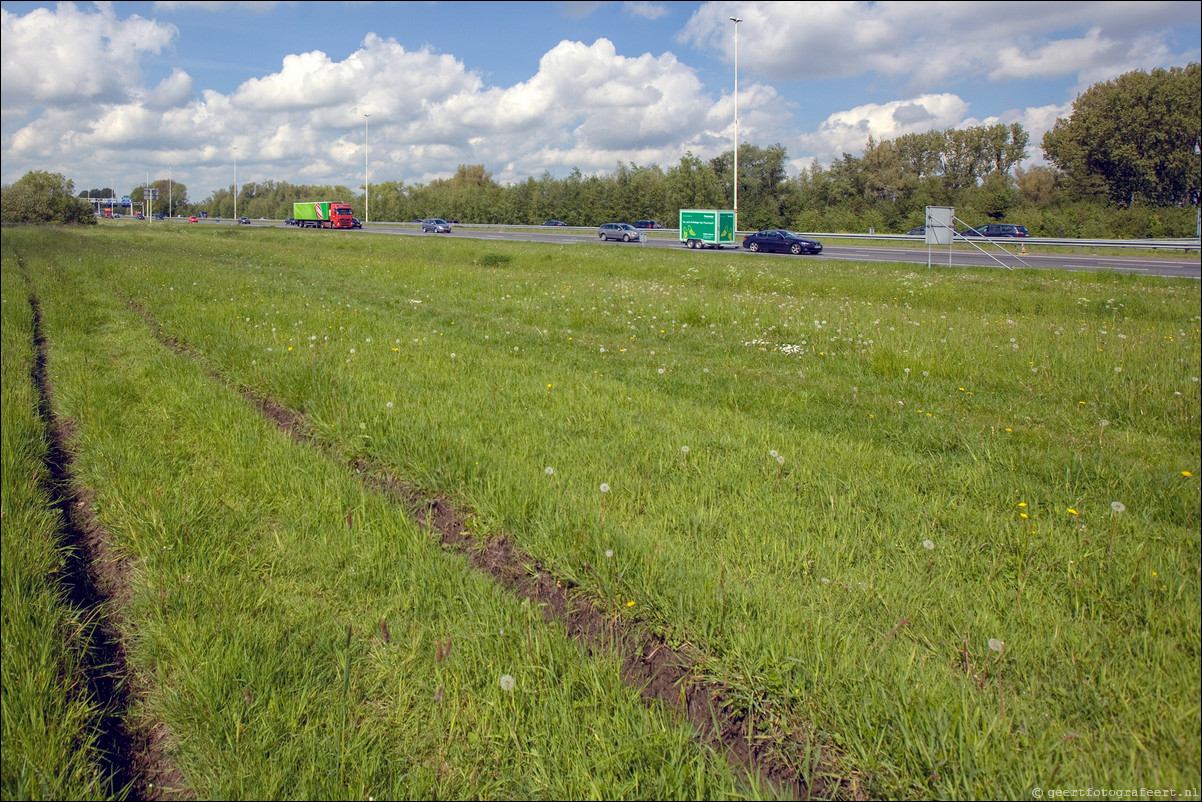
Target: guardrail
(1182,244)
(1185,244)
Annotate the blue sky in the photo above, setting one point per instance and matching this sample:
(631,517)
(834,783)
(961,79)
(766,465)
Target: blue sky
(108,92)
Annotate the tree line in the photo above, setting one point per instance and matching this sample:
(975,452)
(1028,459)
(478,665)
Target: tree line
(1125,163)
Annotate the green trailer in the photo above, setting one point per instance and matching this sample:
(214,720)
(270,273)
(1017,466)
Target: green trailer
(707,228)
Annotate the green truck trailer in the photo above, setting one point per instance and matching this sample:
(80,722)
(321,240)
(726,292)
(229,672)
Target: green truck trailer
(707,228)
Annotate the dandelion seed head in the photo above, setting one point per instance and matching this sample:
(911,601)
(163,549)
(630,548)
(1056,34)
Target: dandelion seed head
(609,553)
(928,545)
(1103,423)
(549,471)
(1118,506)
(684,449)
(508,683)
(604,487)
(996,645)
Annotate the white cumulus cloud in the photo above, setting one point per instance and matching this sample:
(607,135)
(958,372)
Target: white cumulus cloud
(66,55)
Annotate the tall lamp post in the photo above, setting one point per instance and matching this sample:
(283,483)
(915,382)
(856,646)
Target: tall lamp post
(366,176)
(169,193)
(736,21)
(235,182)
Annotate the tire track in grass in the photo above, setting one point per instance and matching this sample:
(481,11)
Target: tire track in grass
(675,677)
(95,582)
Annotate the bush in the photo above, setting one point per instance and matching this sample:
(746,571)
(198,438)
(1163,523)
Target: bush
(42,197)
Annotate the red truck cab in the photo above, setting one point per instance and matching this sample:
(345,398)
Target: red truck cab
(341,216)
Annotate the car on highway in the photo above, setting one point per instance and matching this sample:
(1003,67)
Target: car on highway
(437,225)
(356,222)
(648,224)
(777,240)
(244,221)
(193,219)
(921,231)
(555,223)
(622,231)
(996,230)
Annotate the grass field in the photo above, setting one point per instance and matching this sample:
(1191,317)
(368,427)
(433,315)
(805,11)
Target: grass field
(935,532)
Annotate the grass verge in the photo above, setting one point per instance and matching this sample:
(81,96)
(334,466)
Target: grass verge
(949,519)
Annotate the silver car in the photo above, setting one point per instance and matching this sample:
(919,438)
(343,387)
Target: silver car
(437,225)
(622,231)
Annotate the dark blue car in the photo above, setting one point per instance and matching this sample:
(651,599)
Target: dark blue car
(776,240)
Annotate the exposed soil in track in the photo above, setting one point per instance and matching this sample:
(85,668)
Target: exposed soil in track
(95,583)
(670,676)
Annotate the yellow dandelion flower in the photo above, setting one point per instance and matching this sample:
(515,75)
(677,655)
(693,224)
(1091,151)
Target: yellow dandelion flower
(1071,511)
(630,603)
(1022,503)
(1186,473)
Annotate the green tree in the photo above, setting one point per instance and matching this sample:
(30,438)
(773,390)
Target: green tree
(693,184)
(762,182)
(1038,186)
(1134,139)
(44,197)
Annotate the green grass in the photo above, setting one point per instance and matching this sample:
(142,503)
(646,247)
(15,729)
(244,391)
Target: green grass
(48,720)
(948,446)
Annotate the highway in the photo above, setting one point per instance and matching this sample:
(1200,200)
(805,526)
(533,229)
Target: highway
(963,254)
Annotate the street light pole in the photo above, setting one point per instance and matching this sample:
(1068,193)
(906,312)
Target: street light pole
(366,175)
(169,193)
(235,182)
(736,21)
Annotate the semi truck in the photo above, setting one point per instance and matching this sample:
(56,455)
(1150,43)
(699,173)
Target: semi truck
(323,214)
(707,228)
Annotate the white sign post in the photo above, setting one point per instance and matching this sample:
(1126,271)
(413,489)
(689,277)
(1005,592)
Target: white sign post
(940,229)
